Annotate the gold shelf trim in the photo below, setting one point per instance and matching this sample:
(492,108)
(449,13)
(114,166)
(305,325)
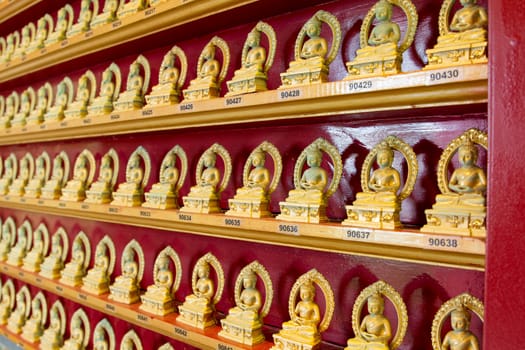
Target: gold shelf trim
(10,8)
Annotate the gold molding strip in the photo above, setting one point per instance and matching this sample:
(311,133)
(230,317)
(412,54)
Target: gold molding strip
(11,8)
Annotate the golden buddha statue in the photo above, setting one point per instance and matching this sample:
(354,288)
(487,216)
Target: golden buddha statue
(27,36)
(25,172)
(210,73)
(131,341)
(256,62)
(98,278)
(126,288)
(43,28)
(312,57)
(27,104)
(171,79)
(131,192)
(54,262)
(165,193)
(460,337)
(23,243)
(103,336)
(204,197)
(53,187)
(7,301)
(136,86)
(12,42)
(303,330)
(12,105)
(109,91)
(464,41)
(40,176)
(131,7)
(374,332)
(244,322)
(75,269)
(83,173)
(45,100)
(307,202)
(460,208)
(198,309)
(20,314)
(10,171)
(159,298)
(108,14)
(8,238)
(63,98)
(62,26)
(39,249)
(381,51)
(34,326)
(101,191)
(84,17)
(379,205)
(85,95)
(252,200)
(52,339)
(79,329)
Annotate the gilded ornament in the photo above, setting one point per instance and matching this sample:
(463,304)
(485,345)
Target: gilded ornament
(165,193)
(63,25)
(108,14)
(28,35)
(204,197)
(379,205)
(27,104)
(8,238)
(88,10)
(59,176)
(83,173)
(198,309)
(24,238)
(42,172)
(303,330)
(54,262)
(210,72)
(252,200)
(45,101)
(20,314)
(159,297)
(131,192)
(12,105)
(75,269)
(171,79)
(256,62)
(136,87)
(34,327)
(86,90)
(131,341)
(307,202)
(244,322)
(382,48)
(126,288)
(25,173)
(98,278)
(7,301)
(460,208)
(44,27)
(39,249)
(79,332)
(464,40)
(101,191)
(53,336)
(63,98)
(104,336)
(109,91)
(12,42)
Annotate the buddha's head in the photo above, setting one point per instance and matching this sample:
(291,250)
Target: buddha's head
(307,291)
(376,304)
(468,153)
(314,157)
(313,27)
(383,10)
(385,156)
(254,38)
(249,279)
(259,158)
(460,319)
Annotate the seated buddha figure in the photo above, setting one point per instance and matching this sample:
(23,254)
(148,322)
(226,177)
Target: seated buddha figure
(384,182)
(314,49)
(78,108)
(306,317)
(53,187)
(460,337)
(84,19)
(132,6)
(56,112)
(108,14)
(313,181)
(34,186)
(63,24)
(133,97)
(203,291)
(375,330)
(11,107)
(24,174)
(26,38)
(99,340)
(469,24)
(9,174)
(36,116)
(19,250)
(167,91)
(35,256)
(133,185)
(76,335)
(97,278)
(74,270)
(34,326)
(385,36)
(247,311)
(8,233)
(166,188)
(207,78)
(163,281)
(101,190)
(258,179)
(127,283)
(103,104)
(43,28)
(53,335)
(54,262)
(169,74)
(75,189)
(10,46)
(17,319)
(6,302)
(209,179)
(255,58)
(26,105)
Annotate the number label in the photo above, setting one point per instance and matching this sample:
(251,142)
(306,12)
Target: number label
(288,94)
(444,75)
(113,210)
(88,34)
(82,296)
(87,121)
(147,112)
(62,204)
(223,347)
(63,124)
(142,318)
(232,222)
(114,116)
(186,107)
(145,213)
(85,206)
(117,24)
(184,217)
(358,234)
(110,307)
(289,228)
(64,43)
(59,288)
(149,12)
(181,331)
(443,242)
(360,85)
(233,101)
(42,126)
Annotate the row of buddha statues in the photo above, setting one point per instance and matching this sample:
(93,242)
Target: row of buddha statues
(458,210)
(463,41)
(253,292)
(36,323)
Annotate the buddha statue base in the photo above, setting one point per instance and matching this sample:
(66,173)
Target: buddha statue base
(54,116)
(4,186)
(200,205)
(51,340)
(302,212)
(5,123)
(201,93)
(98,108)
(32,332)
(128,199)
(76,111)
(32,191)
(359,344)
(163,97)
(35,119)
(15,323)
(160,201)
(73,195)
(51,272)
(249,208)
(32,266)
(246,85)
(456,221)
(153,305)
(4,316)
(19,121)
(128,103)
(377,216)
(17,188)
(71,278)
(196,318)
(51,192)
(102,18)
(97,287)
(283,342)
(98,197)
(124,296)
(15,258)
(241,332)
(304,76)
(456,54)
(130,8)
(373,66)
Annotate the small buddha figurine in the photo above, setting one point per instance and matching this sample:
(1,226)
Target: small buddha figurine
(42,170)
(78,332)
(28,35)
(199,307)
(109,91)
(101,191)
(104,336)
(85,95)
(63,24)
(108,14)
(27,104)
(75,269)
(63,98)
(258,179)
(34,327)
(12,42)
(8,238)
(53,335)
(9,175)
(98,277)
(126,288)
(43,28)
(12,104)
(136,86)
(25,172)
(163,280)
(313,181)
(375,330)
(131,6)
(312,57)
(17,319)
(385,31)
(53,187)
(54,262)
(171,79)
(131,341)
(7,301)
(252,75)
(460,337)
(131,192)
(75,189)
(306,317)
(210,72)
(39,249)
(84,19)
(23,243)
(45,98)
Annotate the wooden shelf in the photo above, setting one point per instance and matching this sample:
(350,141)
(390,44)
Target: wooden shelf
(11,8)
(404,244)
(413,90)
